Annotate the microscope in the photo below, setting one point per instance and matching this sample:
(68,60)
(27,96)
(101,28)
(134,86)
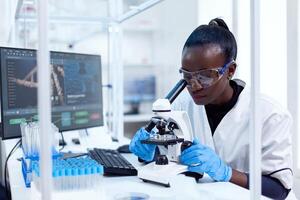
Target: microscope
(172,134)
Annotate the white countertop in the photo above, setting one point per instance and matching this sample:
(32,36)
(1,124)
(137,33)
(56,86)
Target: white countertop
(182,187)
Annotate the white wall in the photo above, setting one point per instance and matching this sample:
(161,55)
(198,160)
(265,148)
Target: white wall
(273,40)
(208,10)
(273,50)
(177,19)
(7,18)
(4,21)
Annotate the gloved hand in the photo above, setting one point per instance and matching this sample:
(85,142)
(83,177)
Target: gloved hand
(143,151)
(201,158)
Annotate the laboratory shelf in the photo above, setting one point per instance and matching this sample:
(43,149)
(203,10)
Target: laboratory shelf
(137,118)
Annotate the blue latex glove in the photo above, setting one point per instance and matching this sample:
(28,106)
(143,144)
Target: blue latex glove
(201,158)
(143,151)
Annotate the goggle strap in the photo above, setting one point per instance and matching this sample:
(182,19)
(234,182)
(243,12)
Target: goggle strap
(223,69)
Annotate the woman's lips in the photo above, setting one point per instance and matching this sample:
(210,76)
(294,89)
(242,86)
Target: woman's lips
(198,95)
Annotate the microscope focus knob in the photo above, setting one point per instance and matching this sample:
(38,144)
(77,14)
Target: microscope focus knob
(161,160)
(186,144)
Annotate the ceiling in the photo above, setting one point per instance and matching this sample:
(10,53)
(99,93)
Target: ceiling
(70,20)
(75,8)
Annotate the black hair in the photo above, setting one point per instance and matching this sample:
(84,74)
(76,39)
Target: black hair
(216,32)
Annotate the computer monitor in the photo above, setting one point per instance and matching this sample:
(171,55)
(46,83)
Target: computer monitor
(137,91)
(76,93)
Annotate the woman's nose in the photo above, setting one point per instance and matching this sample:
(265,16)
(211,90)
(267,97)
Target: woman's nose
(195,85)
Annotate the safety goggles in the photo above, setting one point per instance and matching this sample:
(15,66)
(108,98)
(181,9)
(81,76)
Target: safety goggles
(205,77)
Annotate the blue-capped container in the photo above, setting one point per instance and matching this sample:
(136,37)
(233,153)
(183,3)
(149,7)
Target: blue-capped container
(74,173)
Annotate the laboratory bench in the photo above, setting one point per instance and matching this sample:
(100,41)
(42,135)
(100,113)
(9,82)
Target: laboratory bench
(182,187)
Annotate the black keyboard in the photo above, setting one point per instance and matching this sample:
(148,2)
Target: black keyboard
(113,162)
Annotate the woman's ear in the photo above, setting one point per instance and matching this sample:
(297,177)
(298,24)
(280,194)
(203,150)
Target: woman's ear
(231,70)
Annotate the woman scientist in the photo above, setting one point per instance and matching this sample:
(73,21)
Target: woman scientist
(219,109)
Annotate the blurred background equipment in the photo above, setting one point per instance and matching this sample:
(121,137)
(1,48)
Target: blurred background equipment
(137,91)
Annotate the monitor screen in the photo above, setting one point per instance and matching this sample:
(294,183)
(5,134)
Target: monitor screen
(76,92)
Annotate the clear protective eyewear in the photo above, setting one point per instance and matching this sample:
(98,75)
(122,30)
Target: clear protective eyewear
(205,77)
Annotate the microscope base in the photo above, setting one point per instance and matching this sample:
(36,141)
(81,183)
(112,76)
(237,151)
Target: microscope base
(160,174)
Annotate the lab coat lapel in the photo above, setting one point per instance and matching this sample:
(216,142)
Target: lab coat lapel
(231,136)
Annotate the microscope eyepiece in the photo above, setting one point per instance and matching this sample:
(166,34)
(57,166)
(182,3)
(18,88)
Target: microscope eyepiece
(176,90)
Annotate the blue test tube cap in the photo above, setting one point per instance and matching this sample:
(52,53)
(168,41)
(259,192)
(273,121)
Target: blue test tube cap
(63,172)
(75,172)
(81,171)
(55,173)
(59,172)
(87,171)
(100,169)
(68,172)
(93,171)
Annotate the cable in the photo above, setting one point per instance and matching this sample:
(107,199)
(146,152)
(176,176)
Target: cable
(17,145)
(86,132)
(63,141)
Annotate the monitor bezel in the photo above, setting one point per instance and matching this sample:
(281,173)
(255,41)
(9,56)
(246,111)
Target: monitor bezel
(2,134)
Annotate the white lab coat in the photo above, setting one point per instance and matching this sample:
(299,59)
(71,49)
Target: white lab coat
(231,138)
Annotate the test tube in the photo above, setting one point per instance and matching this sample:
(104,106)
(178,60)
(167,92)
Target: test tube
(80,175)
(63,180)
